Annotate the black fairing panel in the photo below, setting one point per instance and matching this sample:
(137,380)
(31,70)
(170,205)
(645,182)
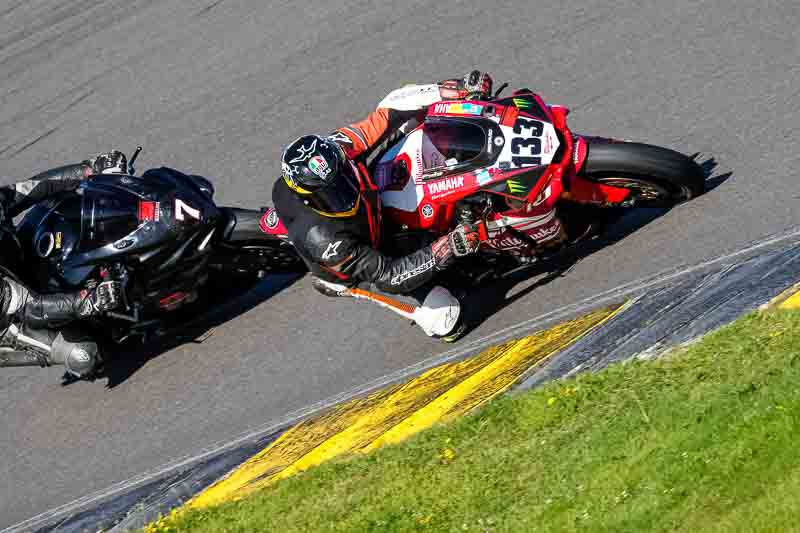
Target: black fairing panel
(159,225)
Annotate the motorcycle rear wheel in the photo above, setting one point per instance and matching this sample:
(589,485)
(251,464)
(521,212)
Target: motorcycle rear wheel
(658,177)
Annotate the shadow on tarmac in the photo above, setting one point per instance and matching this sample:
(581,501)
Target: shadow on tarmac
(215,310)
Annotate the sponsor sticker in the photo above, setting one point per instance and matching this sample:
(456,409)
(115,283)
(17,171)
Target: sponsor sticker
(403,276)
(458,109)
(319,166)
(546,233)
(507,241)
(548,143)
(427,211)
(148,211)
(483,177)
(496,140)
(79,355)
(446,185)
(522,103)
(271,220)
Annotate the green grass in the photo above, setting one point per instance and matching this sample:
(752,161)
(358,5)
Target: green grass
(702,440)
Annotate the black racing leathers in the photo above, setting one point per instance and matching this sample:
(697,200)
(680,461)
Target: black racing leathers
(35,310)
(339,249)
(20,196)
(344,250)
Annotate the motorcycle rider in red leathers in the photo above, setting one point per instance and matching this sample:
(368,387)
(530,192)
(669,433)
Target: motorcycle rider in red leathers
(329,205)
(30,322)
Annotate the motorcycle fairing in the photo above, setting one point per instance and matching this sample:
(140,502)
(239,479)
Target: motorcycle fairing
(512,160)
(101,222)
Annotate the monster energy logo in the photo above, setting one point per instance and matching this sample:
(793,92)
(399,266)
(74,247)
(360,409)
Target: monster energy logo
(522,103)
(516,187)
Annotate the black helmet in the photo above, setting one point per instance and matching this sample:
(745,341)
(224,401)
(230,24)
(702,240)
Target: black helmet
(318,171)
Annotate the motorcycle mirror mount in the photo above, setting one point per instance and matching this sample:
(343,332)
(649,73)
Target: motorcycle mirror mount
(499,90)
(131,168)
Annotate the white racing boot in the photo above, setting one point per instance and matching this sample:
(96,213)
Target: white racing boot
(439,314)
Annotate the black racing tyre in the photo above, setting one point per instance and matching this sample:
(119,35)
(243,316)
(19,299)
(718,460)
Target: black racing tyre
(657,176)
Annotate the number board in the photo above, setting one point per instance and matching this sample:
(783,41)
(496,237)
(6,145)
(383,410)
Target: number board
(529,143)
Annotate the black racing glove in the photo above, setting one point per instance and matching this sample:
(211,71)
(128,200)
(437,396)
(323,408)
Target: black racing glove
(105,297)
(113,162)
(462,241)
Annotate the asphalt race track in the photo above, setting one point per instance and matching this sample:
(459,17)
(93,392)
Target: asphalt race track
(216,88)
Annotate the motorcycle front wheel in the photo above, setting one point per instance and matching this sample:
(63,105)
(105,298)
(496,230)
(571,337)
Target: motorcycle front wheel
(657,177)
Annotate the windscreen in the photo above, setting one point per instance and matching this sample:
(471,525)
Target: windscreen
(107,217)
(457,140)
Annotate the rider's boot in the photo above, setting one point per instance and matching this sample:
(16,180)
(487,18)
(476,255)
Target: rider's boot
(29,326)
(76,351)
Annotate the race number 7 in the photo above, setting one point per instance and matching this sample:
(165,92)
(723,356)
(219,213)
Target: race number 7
(182,210)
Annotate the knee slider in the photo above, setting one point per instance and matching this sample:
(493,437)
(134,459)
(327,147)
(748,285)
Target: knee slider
(327,288)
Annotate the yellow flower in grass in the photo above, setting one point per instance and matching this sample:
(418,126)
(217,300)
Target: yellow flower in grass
(425,520)
(447,455)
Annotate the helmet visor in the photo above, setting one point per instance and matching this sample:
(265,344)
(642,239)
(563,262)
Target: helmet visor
(340,198)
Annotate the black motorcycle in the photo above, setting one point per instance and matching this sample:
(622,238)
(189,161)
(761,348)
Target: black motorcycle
(161,235)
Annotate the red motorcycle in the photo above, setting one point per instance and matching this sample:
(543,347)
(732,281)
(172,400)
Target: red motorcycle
(513,163)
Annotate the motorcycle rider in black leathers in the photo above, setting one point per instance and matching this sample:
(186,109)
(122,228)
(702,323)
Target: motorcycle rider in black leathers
(330,207)
(30,322)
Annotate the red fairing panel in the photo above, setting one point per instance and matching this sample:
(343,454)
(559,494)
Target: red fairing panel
(579,152)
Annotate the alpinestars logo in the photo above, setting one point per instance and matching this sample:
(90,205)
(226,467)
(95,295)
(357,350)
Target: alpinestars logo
(332,251)
(304,152)
(340,138)
(403,276)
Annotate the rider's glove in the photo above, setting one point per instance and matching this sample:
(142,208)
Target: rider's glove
(105,297)
(476,85)
(463,240)
(113,162)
